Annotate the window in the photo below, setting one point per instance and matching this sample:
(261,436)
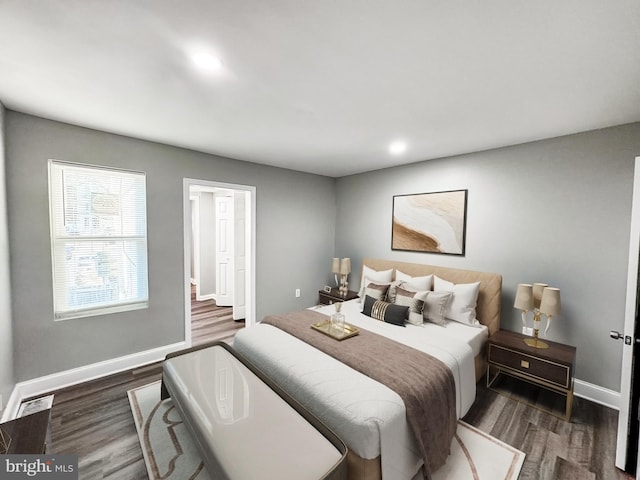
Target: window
(98,240)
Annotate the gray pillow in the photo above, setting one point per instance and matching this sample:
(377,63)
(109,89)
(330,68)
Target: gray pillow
(435,307)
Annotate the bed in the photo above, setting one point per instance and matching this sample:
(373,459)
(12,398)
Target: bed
(371,418)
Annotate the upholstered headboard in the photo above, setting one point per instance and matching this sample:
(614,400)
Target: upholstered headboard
(488,305)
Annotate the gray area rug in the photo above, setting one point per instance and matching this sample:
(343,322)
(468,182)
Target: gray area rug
(170,454)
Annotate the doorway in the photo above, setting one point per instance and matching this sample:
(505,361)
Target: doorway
(219,247)
(627,438)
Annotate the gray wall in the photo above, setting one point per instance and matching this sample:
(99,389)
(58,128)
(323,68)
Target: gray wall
(6,331)
(207,229)
(556,211)
(295,241)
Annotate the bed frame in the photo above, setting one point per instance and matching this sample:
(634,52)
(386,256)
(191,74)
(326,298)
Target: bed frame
(489,296)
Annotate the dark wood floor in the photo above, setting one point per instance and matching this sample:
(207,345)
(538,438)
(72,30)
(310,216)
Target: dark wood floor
(582,449)
(94,421)
(210,322)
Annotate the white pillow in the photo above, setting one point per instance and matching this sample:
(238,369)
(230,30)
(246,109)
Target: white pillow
(419,284)
(462,307)
(375,276)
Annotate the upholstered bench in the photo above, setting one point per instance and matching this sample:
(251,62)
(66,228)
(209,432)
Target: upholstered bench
(244,425)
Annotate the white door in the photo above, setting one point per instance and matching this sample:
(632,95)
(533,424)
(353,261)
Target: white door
(224,251)
(629,325)
(240,255)
(195,243)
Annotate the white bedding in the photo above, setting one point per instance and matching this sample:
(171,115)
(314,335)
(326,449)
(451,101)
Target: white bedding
(452,345)
(368,416)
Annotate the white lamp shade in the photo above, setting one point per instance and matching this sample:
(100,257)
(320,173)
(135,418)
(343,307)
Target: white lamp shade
(345,266)
(335,268)
(538,288)
(550,304)
(524,297)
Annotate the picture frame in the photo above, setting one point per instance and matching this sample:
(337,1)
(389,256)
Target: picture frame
(434,222)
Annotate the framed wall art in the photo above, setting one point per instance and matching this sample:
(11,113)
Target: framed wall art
(430,222)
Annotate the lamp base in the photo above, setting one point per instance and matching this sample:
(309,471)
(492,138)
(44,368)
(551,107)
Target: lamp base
(535,343)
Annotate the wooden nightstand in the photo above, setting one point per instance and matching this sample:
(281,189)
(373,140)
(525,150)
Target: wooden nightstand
(30,434)
(550,368)
(326,298)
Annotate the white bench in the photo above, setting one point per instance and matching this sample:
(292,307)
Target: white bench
(244,425)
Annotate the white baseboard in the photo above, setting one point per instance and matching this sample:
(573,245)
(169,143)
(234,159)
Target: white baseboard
(41,385)
(210,296)
(56,381)
(13,404)
(596,394)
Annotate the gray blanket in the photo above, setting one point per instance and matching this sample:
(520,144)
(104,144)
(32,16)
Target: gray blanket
(425,384)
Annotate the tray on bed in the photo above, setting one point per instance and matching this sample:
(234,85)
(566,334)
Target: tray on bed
(347,331)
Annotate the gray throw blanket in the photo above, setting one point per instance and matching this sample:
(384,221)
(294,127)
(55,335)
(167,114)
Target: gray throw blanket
(425,384)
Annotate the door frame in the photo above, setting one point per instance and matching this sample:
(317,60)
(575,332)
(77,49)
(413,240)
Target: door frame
(629,323)
(250,318)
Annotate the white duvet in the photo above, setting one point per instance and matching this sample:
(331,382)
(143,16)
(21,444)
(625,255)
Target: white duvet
(369,417)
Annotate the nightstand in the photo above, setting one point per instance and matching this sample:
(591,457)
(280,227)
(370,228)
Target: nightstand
(30,434)
(329,298)
(551,368)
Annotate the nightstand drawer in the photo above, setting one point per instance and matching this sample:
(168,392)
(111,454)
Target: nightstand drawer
(545,370)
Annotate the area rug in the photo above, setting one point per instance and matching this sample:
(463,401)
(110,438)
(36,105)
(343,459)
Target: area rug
(170,454)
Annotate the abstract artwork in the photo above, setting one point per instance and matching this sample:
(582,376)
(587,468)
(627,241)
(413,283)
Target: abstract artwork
(430,222)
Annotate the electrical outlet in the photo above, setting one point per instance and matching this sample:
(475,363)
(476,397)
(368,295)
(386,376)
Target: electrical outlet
(527,331)
(297,293)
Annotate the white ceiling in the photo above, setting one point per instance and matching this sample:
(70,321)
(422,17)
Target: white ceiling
(324,86)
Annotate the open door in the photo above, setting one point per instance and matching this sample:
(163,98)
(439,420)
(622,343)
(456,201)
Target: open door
(627,438)
(240,255)
(190,189)
(224,250)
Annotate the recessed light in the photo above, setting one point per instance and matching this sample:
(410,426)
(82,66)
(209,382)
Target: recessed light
(398,147)
(206,61)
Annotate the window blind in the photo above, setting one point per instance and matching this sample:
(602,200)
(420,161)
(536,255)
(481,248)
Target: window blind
(98,239)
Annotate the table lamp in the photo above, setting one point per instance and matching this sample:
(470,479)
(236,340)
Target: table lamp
(540,299)
(345,270)
(335,269)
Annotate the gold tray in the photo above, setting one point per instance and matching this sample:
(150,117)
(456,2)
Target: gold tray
(325,327)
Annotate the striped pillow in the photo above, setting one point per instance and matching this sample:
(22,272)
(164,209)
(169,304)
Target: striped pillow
(385,311)
(415,302)
(377,291)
